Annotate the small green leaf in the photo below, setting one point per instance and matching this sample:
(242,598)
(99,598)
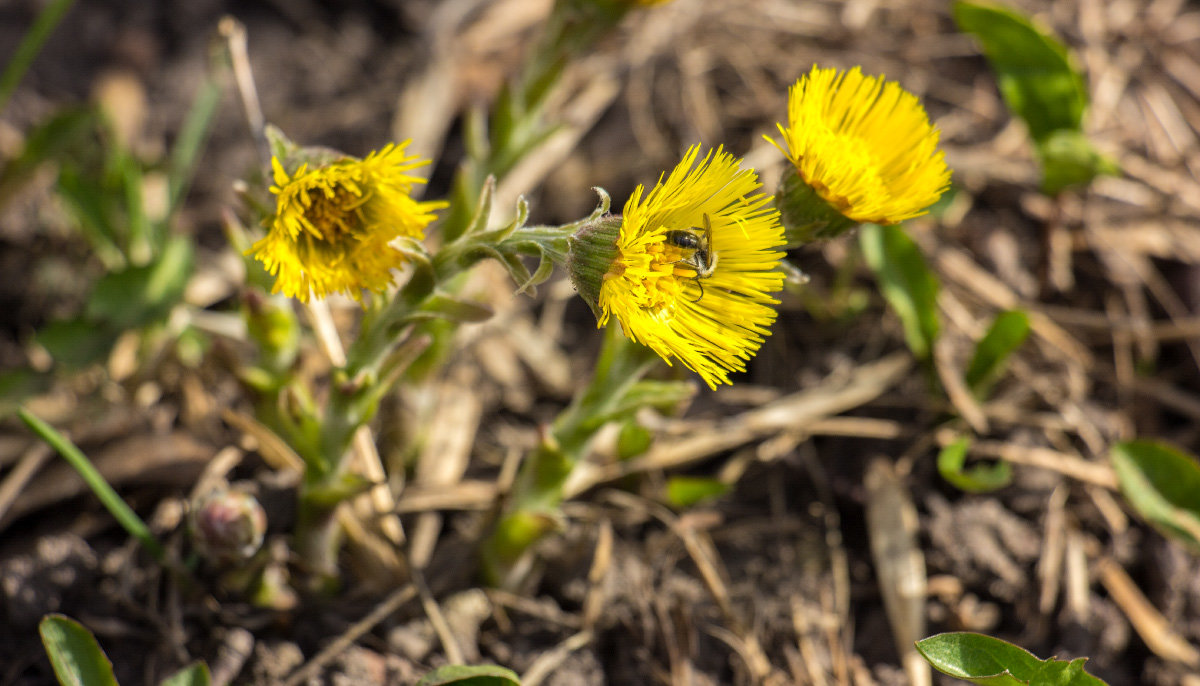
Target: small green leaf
(1069,159)
(982,659)
(1033,69)
(279,144)
(195,674)
(979,659)
(1163,485)
(1063,673)
(76,343)
(544,270)
(633,440)
(978,479)
(1007,332)
(29,47)
(74,653)
(52,138)
(907,283)
(339,489)
(137,296)
(18,384)
(190,142)
(685,491)
(93,208)
(449,307)
(470,675)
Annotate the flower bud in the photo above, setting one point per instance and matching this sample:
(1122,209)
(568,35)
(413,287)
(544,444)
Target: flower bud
(228,525)
(272,324)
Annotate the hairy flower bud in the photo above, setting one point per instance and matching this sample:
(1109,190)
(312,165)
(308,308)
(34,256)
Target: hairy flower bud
(228,525)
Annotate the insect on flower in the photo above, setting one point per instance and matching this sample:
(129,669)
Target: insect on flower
(703,259)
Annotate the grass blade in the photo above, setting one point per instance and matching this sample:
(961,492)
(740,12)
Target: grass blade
(124,515)
(30,46)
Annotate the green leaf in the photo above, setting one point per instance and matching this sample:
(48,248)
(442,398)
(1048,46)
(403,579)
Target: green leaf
(195,674)
(189,144)
(76,343)
(470,675)
(982,659)
(685,491)
(1069,159)
(338,489)
(1033,69)
(18,384)
(906,282)
(544,270)
(442,305)
(1063,673)
(633,440)
(30,46)
(1163,485)
(53,137)
(281,147)
(74,653)
(137,296)
(1007,332)
(978,479)
(979,659)
(93,208)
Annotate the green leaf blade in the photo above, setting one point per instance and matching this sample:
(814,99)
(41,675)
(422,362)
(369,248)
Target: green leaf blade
(906,282)
(982,659)
(1007,333)
(686,491)
(979,659)
(978,479)
(1033,69)
(1068,159)
(74,653)
(1163,485)
(470,675)
(195,674)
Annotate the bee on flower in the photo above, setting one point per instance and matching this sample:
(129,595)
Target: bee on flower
(690,267)
(862,150)
(334,222)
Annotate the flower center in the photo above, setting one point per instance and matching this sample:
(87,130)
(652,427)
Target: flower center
(661,276)
(335,213)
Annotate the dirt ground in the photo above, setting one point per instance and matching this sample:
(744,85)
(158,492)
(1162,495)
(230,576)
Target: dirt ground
(774,582)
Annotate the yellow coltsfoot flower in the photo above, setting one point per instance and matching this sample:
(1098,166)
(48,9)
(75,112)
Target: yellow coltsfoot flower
(333,223)
(862,149)
(689,268)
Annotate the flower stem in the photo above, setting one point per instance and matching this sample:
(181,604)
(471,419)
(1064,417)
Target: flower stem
(533,507)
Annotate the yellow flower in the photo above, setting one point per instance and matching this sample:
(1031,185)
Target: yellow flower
(709,306)
(333,224)
(863,145)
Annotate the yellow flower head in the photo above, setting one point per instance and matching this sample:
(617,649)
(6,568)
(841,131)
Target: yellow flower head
(690,270)
(864,145)
(333,224)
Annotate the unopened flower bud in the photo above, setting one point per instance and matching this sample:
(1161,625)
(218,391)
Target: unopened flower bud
(228,525)
(272,324)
